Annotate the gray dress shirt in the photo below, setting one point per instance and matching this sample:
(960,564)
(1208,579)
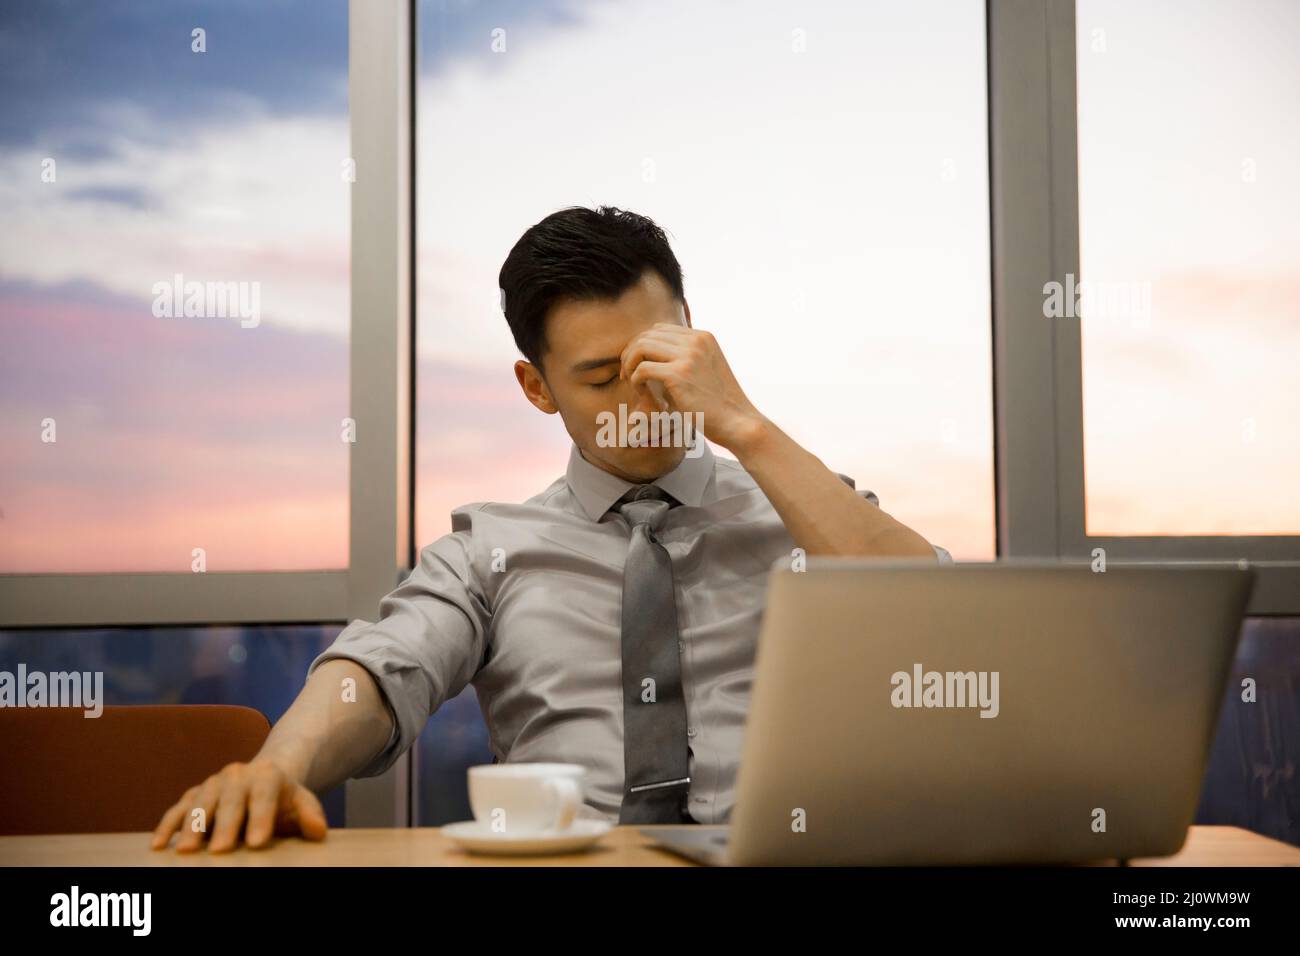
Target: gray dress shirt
(523,601)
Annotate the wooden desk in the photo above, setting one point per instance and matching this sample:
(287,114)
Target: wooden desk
(426,846)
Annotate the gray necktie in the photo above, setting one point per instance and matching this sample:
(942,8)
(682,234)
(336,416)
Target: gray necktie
(656,758)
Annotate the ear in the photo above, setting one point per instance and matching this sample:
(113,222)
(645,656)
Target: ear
(534,386)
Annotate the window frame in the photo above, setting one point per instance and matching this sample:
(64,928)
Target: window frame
(1037,367)
(381,399)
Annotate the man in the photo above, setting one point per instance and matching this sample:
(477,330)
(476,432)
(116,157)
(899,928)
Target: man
(610,621)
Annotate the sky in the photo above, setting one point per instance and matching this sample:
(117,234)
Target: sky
(1188,138)
(824,190)
(171,433)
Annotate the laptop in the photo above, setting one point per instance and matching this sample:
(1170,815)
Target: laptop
(1017,712)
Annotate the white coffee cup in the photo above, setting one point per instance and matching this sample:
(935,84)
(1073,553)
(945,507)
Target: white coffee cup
(523,798)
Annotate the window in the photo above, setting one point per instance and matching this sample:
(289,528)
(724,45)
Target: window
(1189,234)
(259,667)
(454,739)
(822,172)
(1251,781)
(174,278)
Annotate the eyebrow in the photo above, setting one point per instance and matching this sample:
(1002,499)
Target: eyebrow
(590,364)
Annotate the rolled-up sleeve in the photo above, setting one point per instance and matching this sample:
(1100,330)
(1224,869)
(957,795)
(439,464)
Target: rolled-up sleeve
(427,644)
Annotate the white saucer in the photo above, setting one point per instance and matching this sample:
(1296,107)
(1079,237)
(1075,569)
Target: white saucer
(479,837)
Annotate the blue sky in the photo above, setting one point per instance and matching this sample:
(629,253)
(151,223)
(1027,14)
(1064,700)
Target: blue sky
(60,59)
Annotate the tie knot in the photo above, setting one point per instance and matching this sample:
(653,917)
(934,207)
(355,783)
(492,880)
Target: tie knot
(645,504)
(647,492)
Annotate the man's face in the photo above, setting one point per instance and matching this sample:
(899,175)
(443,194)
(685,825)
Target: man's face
(581,365)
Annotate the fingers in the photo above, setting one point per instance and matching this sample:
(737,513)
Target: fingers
(257,799)
(162,833)
(665,342)
(310,813)
(232,804)
(263,802)
(682,333)
(194,826)
(648,345)
(663,372)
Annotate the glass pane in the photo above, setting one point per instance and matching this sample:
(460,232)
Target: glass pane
(259,667)
(821,169)
(139,156)
(1251,781)
(454,739)
(1189,223)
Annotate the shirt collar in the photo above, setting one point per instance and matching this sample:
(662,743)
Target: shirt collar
(597,490)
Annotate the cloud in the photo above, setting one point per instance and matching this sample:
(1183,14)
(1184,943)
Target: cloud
(134,198)
(261,199)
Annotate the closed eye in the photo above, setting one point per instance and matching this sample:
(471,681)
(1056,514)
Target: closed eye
(605,384)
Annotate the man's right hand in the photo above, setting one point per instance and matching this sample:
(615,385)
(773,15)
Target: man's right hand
(259,798)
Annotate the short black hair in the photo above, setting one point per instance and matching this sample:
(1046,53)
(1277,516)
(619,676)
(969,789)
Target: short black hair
(583,254)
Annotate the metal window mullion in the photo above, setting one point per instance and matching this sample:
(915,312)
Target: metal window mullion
(380,38)
(1021,196)
(143,600)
